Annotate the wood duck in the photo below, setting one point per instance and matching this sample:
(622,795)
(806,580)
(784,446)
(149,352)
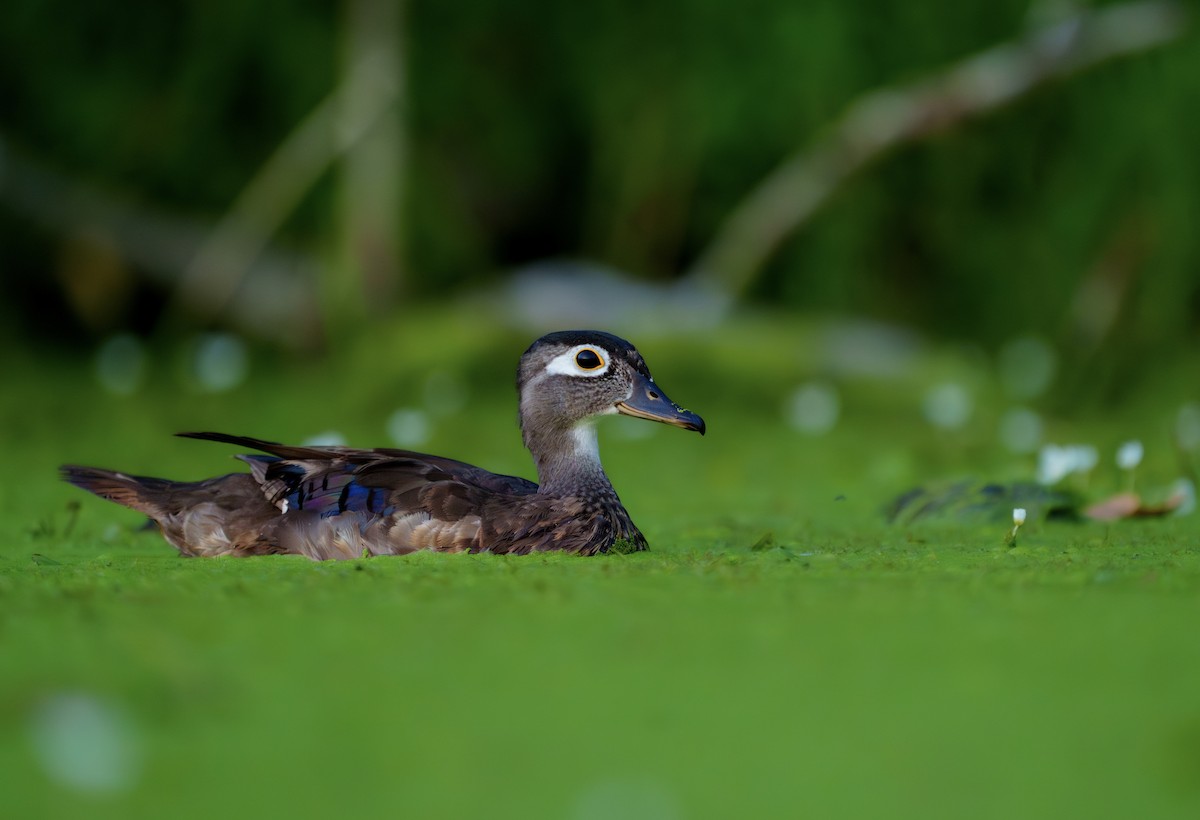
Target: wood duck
(340,502)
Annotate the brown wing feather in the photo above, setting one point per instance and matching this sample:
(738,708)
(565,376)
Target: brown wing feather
(460,470)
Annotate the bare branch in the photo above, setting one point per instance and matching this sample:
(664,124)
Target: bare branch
(275,301)
(373,171)
(882,120)
(208,285)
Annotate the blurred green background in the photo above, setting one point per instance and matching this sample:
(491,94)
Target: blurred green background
(876,245)
(426,150)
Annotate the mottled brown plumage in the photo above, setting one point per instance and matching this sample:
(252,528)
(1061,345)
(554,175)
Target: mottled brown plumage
(341,502)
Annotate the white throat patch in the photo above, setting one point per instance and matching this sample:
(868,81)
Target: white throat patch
(586,443)
(564,364)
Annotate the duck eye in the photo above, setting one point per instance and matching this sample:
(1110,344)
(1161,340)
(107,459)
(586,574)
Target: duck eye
(588,359)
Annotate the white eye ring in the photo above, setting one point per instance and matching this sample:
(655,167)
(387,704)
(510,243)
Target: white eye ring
(564,364)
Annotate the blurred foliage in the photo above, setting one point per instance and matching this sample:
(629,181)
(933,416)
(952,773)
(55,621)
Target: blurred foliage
(625,132)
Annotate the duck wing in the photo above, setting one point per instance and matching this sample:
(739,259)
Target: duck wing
(340,502)
(314,462)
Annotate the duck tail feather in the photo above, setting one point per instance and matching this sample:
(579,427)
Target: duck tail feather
(146,495)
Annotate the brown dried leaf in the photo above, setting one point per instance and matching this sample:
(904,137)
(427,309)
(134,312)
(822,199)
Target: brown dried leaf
(1121,505)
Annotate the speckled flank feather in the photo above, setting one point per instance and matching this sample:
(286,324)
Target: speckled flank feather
(340,502)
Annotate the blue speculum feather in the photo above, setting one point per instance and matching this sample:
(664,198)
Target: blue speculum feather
(332,494)
(357,498)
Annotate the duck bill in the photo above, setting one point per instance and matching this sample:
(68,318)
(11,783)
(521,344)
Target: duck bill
(648,401)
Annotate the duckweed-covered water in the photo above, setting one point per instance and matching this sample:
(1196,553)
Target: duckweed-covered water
(781,651)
